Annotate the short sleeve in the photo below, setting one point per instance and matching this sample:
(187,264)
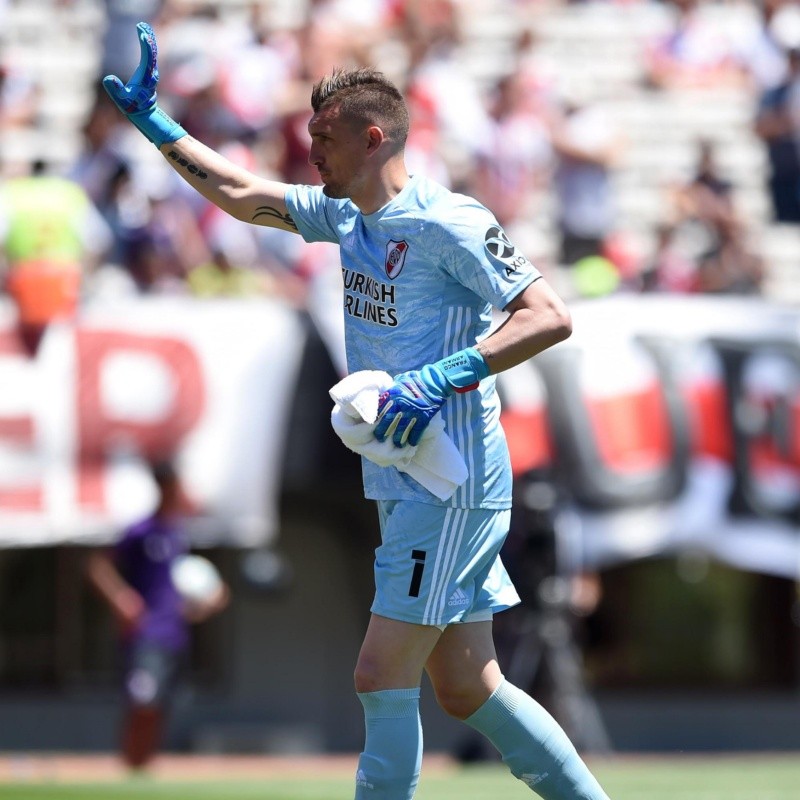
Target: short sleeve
(477,253)
(313,213)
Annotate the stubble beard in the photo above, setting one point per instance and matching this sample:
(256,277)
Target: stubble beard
(336,191)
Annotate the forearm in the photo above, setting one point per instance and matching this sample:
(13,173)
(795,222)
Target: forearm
(110,585)
(537,320)
(232,188)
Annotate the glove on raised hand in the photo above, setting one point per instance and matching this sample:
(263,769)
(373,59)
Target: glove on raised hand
(406,408)
(137,98)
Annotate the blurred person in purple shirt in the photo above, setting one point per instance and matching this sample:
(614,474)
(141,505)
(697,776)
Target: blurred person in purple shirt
(135,578)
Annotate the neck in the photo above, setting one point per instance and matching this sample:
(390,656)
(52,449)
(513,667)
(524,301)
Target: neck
(389,183)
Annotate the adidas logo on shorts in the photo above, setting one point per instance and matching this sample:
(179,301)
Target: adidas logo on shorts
(458,598)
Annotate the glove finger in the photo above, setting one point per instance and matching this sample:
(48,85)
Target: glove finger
(147,71)
(113,85)
(391,431)
(384,421)
(404,439)
(384,404)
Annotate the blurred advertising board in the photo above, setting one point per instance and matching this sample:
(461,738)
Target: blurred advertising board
(663,424)
(668,424)
(205,384)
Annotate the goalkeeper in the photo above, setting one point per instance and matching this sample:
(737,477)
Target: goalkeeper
(422,270)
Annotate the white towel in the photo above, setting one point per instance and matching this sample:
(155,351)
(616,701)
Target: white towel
(435,462)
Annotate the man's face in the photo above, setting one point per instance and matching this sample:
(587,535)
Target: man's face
(338,151)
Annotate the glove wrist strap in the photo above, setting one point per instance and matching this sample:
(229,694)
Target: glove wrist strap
(157,126)
(464,370)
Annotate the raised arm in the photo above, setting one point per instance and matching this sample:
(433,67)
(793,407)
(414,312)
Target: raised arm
(235,190)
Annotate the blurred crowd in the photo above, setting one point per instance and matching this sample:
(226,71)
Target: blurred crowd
(531,146)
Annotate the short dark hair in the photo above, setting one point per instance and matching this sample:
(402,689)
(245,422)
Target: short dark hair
(366,96)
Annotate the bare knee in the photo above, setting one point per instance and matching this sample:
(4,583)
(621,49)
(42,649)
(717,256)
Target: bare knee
(368,677)
(460,700)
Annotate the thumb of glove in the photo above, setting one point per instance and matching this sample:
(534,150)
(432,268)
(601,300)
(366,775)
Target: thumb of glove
(116,91)
(114,86)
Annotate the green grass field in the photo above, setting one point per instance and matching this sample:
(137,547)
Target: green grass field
(674,778)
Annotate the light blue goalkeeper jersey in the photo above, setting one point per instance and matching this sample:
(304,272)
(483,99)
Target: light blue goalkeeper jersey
(420,278)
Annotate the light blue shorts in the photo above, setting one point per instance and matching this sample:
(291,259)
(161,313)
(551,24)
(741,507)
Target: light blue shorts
(438,565)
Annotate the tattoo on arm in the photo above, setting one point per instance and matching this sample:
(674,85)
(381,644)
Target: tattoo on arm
(269,211)
(189,167)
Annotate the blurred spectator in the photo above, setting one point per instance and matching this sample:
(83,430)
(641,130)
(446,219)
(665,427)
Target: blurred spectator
(221,278)
(134,578)
(588,146)
(19,97)
(694,53)
(705,215)
(167,246)
(707,197)
(259,80)
(51,236)
(668,269)
(436,71)
(537,72)
(732,266)
(200,103)
(104,152)
(760,43)
(777,123)
(515,162)
(344,32)
(275,264)
(425,146)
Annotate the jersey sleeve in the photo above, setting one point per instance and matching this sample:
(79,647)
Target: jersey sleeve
(313,213)
(476,252)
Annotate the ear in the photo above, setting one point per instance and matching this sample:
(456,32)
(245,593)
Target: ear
(375,138)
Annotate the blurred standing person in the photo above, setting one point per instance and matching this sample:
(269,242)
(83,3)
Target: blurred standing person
(706,199)
(587,147)
(759,41)
(135,580)
(423,269)
(433,39)
(708,194)
(516,163)
(777,123)
(705,211)
(51,237)
(104,152)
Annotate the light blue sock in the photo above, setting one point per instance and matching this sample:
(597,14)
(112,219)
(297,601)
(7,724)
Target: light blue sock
(534,746)
(388,769)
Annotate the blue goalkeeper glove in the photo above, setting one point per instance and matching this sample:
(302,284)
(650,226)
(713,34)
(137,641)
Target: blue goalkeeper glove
(406,408)
(137,98)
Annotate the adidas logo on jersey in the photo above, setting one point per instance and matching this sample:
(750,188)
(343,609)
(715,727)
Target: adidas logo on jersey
(361,780)
(458,598)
